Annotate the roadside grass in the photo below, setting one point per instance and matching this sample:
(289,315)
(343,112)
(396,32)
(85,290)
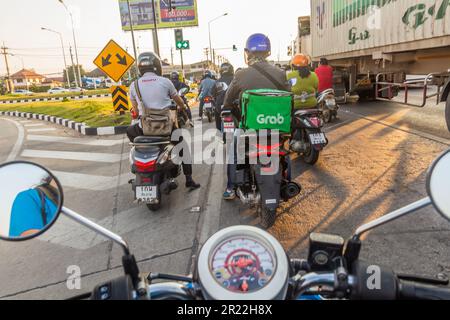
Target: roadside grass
(46,95)
(95,112)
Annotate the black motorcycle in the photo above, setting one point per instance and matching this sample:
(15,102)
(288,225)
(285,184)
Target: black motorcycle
(209,108)
(308,139)
(263,176)
(151,162)
(242,262)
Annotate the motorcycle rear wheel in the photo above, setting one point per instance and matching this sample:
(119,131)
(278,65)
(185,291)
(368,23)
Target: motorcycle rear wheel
(268,217)
(210,117)
(157,206)
(327,115)
(311,156)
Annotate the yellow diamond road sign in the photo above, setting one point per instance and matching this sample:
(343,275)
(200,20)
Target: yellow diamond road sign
(114,61)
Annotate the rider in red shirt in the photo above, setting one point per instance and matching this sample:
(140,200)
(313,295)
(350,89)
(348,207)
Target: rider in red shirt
(325,74)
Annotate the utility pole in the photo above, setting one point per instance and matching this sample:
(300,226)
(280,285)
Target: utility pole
(9,84)
(207,55)
(171,55)
(155,30)
(73,68)
(132,35)
(74,40)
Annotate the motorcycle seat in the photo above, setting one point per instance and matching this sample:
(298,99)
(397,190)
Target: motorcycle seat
(151,139)
(306,111)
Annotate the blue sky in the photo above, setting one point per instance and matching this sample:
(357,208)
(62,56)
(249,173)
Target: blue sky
(98,21)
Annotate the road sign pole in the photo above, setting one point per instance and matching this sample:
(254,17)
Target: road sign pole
(182,62)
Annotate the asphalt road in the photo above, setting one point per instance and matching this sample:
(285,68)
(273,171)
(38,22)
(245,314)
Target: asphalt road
(376,162)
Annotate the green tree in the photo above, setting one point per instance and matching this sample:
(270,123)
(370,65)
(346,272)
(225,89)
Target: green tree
(71,75)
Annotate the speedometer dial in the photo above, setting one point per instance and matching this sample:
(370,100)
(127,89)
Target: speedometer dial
(243,264)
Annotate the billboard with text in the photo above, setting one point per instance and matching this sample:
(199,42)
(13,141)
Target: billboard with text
(182,14)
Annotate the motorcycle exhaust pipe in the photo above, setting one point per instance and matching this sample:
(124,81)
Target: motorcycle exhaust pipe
(291,190)
(249,199)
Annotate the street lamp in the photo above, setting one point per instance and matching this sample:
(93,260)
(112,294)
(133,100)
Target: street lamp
(74,41)
(209,31)
(64,54)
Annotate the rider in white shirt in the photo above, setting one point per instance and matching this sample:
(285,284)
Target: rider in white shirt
(156,92)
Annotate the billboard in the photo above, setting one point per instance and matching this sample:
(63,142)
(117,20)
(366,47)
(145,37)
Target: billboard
(183,14)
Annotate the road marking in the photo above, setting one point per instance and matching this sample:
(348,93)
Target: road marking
(34,125)
(41,130)
(20,135)
(101,143)
(91,182)
(80,156)
(68,233)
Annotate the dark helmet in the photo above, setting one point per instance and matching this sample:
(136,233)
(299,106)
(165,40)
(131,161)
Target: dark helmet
(226,69)
(149,62)
(258,43)
(208,74)
(174,76)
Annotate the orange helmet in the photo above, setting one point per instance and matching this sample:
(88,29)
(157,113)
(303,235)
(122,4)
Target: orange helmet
(300,60)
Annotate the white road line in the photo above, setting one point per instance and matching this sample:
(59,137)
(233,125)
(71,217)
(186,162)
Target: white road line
(91,182)
(41,130)
(20,135)
(87,142)
(34,125)
(80,156)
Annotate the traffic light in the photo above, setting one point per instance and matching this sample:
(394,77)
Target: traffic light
(183,45)
(178,35)
(235,48)
(180,43)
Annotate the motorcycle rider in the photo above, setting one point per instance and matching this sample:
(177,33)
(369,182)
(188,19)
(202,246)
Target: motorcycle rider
(260,75)
(303,82)
(219,90)
(157,92)
(178,84)
(205,90)
(325,74)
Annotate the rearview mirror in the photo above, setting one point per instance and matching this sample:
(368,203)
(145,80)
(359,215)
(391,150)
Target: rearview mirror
(183,91)
(438,184)
(31,199)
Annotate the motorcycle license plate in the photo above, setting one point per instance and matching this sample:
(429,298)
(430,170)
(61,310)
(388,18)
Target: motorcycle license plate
(208,105)
(228,127)
(146,193)
(317,138)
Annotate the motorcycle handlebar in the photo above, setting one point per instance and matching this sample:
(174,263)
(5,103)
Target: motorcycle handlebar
(417,291)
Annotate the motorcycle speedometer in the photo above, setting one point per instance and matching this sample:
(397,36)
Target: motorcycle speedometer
(244,263)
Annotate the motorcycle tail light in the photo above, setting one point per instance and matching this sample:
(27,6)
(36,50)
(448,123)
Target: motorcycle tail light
(207,99)
(315,121)
(145,167)
(134,115)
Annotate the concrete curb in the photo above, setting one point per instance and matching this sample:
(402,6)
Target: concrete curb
(54,99)
(80,127)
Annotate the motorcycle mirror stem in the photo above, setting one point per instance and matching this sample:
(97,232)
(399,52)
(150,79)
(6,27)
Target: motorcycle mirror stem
(353,246)
(128,260)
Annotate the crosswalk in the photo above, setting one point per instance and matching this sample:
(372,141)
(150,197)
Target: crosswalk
(52,147)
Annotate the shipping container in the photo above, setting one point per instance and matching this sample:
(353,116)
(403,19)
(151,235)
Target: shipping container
(350,28)
(377,47)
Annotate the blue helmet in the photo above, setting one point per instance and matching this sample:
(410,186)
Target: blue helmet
(258,42)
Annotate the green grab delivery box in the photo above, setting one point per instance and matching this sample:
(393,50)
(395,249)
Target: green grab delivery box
(267,109)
